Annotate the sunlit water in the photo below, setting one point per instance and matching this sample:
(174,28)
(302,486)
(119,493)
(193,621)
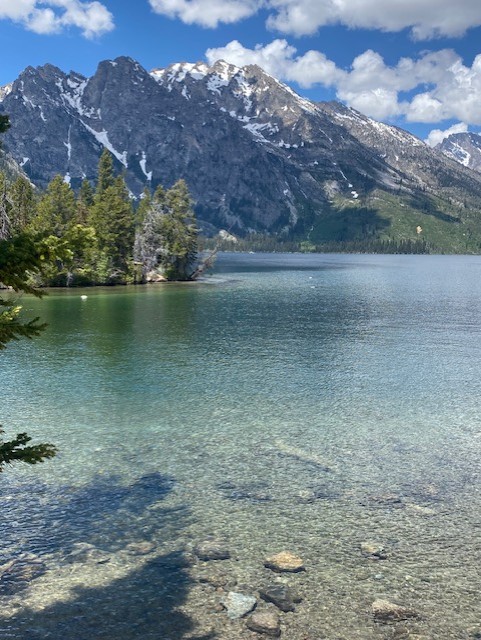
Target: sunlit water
(301,403)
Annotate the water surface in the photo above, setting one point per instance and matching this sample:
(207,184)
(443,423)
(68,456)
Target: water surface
(303,403)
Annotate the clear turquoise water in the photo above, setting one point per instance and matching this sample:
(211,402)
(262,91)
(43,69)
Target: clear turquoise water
(303,403)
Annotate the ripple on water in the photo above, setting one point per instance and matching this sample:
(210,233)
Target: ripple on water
(339,423)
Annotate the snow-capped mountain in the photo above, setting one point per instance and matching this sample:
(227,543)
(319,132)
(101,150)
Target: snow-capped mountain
(465,148)
(254,153)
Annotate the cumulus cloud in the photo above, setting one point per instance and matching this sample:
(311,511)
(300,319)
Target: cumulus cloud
(279,59)
(436,136)
(425,18)
(53,16)
(207,13)
(434,87)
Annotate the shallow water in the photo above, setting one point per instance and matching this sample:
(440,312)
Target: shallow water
(302,403)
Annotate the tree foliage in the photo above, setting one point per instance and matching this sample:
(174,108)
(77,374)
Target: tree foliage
(20,256)
(167,239)
(18,450)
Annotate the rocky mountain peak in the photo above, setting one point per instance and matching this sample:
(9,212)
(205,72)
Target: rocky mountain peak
(255,154)
(465,148)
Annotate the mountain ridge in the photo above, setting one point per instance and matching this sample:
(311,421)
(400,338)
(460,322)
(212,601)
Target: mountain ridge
(257,156)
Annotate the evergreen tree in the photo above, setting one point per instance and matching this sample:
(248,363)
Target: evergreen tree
(5,208)
(167,240)
(85,201)
(4,123)
(179,246)
(111,216)
(159,195)
(22,197)
(56,209)
(144,205)
(105,177)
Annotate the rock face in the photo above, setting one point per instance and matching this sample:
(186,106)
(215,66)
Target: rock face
(256,156)
(284,562)
(465,148)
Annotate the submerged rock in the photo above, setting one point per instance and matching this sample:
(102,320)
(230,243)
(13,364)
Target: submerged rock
(140,548)
(280,595)
(238,605)
(265,622)
(420,510)
(385,611)
(373,550)
(392,500)
(212,550)
(285,561)
(17,574)
(88,553)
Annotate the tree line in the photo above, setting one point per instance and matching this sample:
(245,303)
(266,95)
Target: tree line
(99,235)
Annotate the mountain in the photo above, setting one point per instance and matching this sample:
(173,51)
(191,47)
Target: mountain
(256,156)
(465,148)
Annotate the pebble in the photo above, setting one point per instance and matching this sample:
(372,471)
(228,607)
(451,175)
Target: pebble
(385,611)
(212,550)
(216,579)
(238,605)
(266,622)
(284,562)
(280,595)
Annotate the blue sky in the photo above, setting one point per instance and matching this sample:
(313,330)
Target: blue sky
(409,62)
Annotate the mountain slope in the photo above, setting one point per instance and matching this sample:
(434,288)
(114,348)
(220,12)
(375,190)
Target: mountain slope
(256,155)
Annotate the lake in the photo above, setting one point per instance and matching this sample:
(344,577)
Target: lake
(325,405)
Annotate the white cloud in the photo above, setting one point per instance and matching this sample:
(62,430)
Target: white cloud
(436,136)
(425,18)
(278,59)
(436,86)
(53,16)
(207,13)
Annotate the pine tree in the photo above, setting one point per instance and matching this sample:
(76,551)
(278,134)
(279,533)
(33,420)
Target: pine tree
(112,218)
(105,178)
(4,123)
(56,209)
(5,209)
(159,195)
(22,197)
(167,240)
(85,201)
(144,206)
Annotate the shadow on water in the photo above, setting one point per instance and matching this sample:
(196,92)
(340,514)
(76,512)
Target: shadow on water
(105,512)
(104,516)
(139,606)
